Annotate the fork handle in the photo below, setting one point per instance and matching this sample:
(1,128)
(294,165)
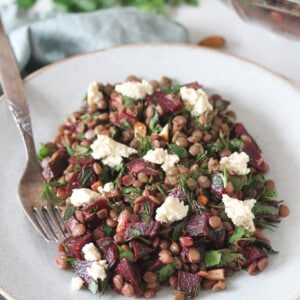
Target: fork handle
(13,89)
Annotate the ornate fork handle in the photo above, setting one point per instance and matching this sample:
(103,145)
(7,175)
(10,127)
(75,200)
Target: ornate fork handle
(13,89)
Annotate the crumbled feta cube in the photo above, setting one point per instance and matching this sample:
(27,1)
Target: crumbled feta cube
(107,188)
(91,252)
(97,269)
(94,96)
(195,100)
(239,211)
(235,163)
(135,89)
(171,210)
(76,283)
(83,196)
(110,151)
(161,156)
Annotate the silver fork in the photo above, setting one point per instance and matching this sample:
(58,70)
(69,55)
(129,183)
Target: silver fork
(44,216)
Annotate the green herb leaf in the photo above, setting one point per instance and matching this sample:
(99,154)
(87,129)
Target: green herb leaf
(269,194)
(265,209)
(201,156)
(70,151)
(177,231)
(144,145)
(172,89)
(47,192)
(69,212)
(44,152)
(153,122)
(93,287)
(128,101)
(165,272)
(126,254)
(238,233)
(212,258)
(236,144)
(70,260)
(180,151)
(80,136)
(237,182)
(220,258)
(107,230)
(126,124)
(81,150)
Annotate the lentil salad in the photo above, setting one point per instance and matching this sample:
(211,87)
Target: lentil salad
(159,185)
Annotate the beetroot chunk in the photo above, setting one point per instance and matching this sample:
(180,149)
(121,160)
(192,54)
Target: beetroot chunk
(74,245)
(255,158)
(188,283)
(108,249)
(197,225)
(130,273)
(135,166)
(145,229)
(84,177)
(124,116)
(140,250)
(250,253)
(168,102)
(53,167)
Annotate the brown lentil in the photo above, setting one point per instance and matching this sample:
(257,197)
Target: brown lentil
(283,210)
(118,281)
(175,248)
(127,290)
(194,255)
(215,222)
(179,296)
(149,293)
(150,277)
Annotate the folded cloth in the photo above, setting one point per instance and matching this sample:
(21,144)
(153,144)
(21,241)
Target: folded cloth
(38,39)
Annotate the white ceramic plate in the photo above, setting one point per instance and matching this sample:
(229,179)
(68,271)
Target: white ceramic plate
(268,105)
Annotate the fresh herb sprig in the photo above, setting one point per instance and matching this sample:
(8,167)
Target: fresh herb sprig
(158,6)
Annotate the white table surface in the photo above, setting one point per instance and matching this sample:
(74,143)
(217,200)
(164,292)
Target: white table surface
(278,52)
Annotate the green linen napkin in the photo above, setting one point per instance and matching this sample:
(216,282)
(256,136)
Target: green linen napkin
(40,39)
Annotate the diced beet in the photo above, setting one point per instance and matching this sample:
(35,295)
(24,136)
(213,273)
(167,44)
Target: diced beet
(91,219)
(152,266)
(217,185)
(124,115)
(255,158)
(140,250)
(135,166)
(71,223)
(108,249)
(250,253)
(81,160)
(53,167)
(96,205)
(151,173)
(130,273)
(168,102)
(84,177)
(74,245)
(188,283)
(128,180)
(81,271)
(146,207)
(178,193)
(220,104)
(144,229)
(197,225)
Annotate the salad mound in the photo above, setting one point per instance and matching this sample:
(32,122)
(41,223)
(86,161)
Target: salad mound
(158,185)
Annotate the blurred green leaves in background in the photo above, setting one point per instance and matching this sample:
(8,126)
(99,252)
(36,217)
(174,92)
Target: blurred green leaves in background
(158,6)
